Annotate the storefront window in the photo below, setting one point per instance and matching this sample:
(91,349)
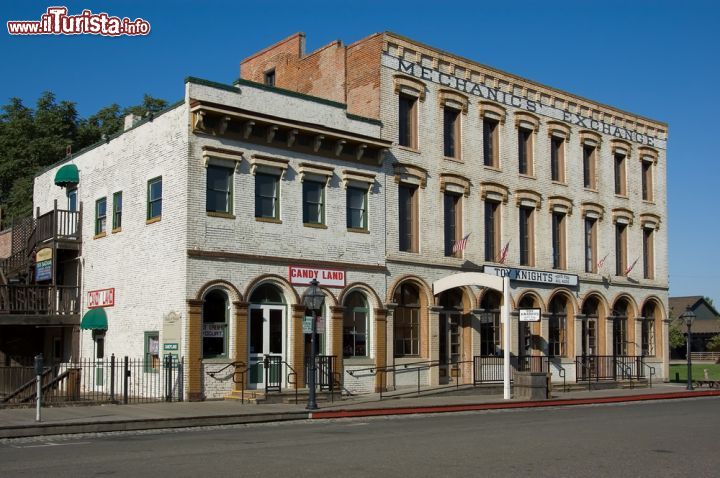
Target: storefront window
(355,326)
(214,326)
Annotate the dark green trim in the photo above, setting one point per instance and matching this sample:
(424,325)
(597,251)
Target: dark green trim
(212,84)
(364,119)
(147,363)
(67,176)
(148,201)
(109,138)
(283,91)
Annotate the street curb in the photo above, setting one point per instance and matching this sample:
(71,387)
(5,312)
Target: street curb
(375,412)
(42,429)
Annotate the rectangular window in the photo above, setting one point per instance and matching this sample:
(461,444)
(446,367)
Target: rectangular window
(117,211)
(620,336)
(270,78)
(590,244)
(154,198)
(490,332)
(451,132)
(357,208)
(453,223)
(492,231)
(355,332)
(558,240)
(557,159)
(556,335)
(408,121)
(408,217)
(620,249)
(648,254)
(491,143)
(647,182)
(525,151)
(620,186)
(267,196)
(589,167)
(219,189)
(152,351)
(526,236)
(313,202)
(647,335)
(100,216)
(407,331)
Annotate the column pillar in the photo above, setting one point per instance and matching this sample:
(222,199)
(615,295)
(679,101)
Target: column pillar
(433,334)
(664,346)
(335,335)
(194,365)
(296,349)
(241,338)
(381,347)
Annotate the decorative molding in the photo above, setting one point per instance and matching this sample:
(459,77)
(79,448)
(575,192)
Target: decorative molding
(235,155)
(526,120)
(453,99)
(560,204)
(349,176)
(409,173)
(492,110)
(650,220)
(528,197)
(409,86)
(592,210)
(456,182)
(620,215)
(494,192)
(646,153)
(311,169)
(270,164)
(591,138)
(620,146)
(561,130)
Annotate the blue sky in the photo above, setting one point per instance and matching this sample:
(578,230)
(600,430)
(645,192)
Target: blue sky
(658,59)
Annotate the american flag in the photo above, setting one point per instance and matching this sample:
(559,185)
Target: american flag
(460,245)
(627,271)
(601,262)
(504,253)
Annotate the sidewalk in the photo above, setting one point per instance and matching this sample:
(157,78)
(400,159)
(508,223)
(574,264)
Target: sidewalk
(106,418)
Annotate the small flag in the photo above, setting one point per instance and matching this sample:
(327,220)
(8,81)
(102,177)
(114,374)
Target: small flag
(627,271)
(601,262)
(460,245)
(504,253)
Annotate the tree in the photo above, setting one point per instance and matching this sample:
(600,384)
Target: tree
(713,344)
(709,301)
(676,337)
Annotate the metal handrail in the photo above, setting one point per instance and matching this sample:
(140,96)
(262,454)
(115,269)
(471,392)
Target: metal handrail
(651,369)
(424,365)
(561,372)
(588,369)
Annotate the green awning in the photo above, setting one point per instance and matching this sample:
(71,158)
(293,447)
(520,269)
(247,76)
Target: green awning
(68,175)
(94,319)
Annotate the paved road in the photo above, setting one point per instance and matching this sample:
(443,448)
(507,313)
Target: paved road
(653,439)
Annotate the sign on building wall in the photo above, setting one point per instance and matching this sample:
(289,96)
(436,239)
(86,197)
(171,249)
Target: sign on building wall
(101,298)
(529,315)
(213,331)
(43,264)
(530,275)
(327,277)
(319,325)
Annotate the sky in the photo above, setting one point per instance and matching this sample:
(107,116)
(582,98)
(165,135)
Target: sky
(658,59)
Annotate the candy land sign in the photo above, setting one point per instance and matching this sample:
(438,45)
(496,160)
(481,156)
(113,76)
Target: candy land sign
(101,298)
(327,277)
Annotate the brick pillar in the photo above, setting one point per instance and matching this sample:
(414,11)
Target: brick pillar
(335,346)
(381,346)
(633,346)
(241,338)
(296,348)
(433,334)
(466,369)
(662,349)
(194,354)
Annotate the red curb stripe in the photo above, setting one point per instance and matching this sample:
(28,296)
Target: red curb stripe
(373,412)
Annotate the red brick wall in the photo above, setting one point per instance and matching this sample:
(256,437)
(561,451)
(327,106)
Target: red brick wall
(347,75)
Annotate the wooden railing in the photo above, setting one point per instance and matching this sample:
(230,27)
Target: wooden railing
(39,299)
(56,224)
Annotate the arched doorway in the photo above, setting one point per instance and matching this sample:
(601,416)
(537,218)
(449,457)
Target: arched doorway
(557,342)
(620,338)
(215,318)
(450,334)
(647,329)
(525,329)
(267,333)
(407,320)
(490,338)
(589,328)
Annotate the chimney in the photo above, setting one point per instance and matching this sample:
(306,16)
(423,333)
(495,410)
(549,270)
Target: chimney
(130,121)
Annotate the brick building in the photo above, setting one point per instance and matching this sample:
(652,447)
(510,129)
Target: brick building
(382,167)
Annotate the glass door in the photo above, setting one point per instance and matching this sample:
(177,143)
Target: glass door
(267,344)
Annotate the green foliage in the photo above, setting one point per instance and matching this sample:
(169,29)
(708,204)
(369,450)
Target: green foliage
(33,139)
(709,301)
(713,344)
(677,338)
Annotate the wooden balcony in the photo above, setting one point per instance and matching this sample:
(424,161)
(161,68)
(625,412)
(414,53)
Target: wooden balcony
(39,304)
(59,225)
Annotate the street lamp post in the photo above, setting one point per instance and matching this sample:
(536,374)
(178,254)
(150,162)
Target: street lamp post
(688,316)
(313,300)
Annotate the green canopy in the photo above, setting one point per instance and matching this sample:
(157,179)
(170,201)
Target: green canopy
(68,175)
(94,319)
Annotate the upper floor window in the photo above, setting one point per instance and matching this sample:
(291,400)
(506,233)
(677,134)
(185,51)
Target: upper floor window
(408,121)
(557,159)
(313,202)
(269,77)
(355,326)
(451,132)
(408,217)
(647,180)
(357,205)
(492,231)
(589,180)
(525,150)
(154,198)
(620,181)
(100,216)
(117,211)
(267,196)
(559,260)
(491,142)
(620,249)
(648,253)
(590,244)
(453,223)
(526,230)
(219,189)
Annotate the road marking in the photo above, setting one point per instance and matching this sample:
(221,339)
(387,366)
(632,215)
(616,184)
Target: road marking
(51,444)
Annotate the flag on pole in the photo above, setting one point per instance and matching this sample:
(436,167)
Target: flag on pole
(504,253)
(459,246)
(627,271)
(601,262)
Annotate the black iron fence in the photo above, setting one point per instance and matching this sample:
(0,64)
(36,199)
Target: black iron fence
(113,380)
(609,367)
(489,368)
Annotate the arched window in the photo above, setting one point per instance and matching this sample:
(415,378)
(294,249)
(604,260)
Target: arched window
(355,326)
(647,332)
(589,326)
(525,335)
(620,319)
(490,324)
(215,320)
(267,294)
(557,327)
(407,320)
